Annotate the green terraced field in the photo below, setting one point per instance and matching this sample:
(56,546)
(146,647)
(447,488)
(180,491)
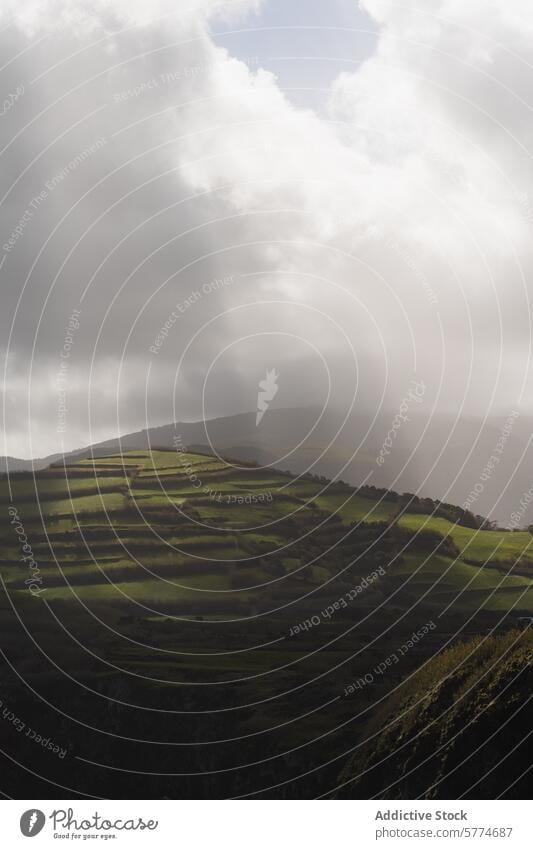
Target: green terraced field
(353,508)
(505,546)
(440,582)
(179,532)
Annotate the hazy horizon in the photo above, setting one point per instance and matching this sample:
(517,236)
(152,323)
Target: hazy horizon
(192,198)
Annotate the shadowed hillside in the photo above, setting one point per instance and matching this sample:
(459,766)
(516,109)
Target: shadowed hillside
(459,728)
(224,614)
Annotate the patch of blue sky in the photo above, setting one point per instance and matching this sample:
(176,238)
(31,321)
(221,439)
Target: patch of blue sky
(305,43)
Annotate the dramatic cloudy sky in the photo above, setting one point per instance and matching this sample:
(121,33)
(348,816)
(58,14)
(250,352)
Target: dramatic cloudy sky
(341,191)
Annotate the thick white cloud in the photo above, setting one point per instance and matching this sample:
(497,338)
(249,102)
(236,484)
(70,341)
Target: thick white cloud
(401,216)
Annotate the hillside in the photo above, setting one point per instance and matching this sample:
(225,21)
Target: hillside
(165,525)
(459,728)
(427,457)
(244,602)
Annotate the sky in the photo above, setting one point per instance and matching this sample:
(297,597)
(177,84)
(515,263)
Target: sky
(193,197)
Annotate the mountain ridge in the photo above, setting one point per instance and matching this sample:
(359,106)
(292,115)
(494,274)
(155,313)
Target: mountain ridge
(423,459)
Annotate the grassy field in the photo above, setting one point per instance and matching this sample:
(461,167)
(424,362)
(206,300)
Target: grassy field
(448,582)
(509,547)
(354,508)
(177,531)
(162,571)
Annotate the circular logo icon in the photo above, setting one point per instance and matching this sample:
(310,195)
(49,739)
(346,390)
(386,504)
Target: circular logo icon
(32,822)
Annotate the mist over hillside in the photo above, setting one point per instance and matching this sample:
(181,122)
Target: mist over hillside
(483,466)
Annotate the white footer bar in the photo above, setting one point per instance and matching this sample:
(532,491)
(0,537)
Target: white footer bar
(265,824)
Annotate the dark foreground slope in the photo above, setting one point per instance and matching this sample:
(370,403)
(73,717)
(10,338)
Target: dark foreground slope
(460,727)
